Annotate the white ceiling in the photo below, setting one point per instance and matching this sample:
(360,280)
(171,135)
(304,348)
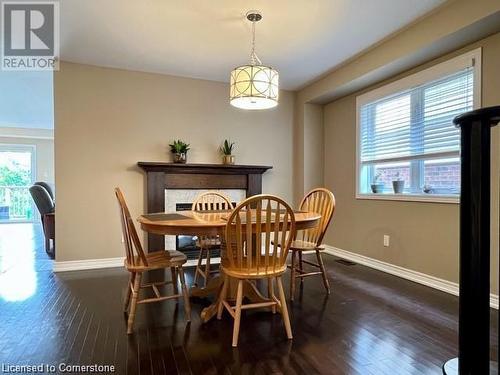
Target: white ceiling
(205,39)
(26,100)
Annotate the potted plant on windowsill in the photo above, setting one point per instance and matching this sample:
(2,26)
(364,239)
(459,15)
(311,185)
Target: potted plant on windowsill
(377,186)
(179,151)
(398,184)
(226,149)
(427,189)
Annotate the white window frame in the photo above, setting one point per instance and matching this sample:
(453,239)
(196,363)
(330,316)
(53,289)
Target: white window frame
(471,58)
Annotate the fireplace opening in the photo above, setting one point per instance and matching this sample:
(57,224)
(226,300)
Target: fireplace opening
(188,244)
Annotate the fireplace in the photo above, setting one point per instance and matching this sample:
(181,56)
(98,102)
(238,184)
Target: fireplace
(168,184)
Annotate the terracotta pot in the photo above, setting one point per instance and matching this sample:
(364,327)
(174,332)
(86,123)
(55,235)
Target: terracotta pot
(228,159)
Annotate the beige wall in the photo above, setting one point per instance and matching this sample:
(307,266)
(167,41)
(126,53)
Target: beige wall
(308,149)
(313,146)
(424,236)
(106,120)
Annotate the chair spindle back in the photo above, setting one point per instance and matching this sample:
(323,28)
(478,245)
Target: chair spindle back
(263,250)
(320,201)
(212,201)
(131,239)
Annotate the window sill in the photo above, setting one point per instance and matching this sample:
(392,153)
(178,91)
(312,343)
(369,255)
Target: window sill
(435,198)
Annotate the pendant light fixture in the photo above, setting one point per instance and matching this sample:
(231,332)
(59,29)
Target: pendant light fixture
(254,86)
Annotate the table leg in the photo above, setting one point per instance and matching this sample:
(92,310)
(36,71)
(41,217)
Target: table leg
(211,289)
(209,312)
(253,294)
(250,292)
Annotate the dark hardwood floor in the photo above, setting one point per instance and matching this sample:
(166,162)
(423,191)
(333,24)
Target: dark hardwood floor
(372,323)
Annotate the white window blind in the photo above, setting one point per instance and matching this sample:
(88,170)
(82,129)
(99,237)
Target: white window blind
(416,123)
(407,145)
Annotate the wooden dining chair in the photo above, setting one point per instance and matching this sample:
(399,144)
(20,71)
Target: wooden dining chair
(257,253)
(137,262)
(209,201)
(321,201)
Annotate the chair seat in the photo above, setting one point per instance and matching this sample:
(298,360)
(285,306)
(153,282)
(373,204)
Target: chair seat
(158,259)
(252,273)
(299,245)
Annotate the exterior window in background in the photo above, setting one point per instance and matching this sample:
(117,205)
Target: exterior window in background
(17,171)
(407,134)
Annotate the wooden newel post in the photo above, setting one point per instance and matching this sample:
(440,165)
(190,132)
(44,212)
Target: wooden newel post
(474,311)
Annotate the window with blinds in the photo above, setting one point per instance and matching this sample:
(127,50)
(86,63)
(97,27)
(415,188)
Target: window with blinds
(407,143)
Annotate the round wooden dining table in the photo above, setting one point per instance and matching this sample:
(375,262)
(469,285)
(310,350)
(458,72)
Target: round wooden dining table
(210,223)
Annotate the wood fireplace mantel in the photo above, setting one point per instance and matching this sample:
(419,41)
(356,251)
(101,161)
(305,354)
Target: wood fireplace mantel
(161,176)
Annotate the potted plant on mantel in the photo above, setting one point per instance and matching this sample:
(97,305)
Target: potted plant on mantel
(377,186)
(398,184)
(226,150)
(179,150)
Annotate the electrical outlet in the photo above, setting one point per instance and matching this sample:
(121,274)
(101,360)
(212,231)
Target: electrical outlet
(386,240)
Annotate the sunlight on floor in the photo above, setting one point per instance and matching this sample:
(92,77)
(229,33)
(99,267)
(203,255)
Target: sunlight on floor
(18,278)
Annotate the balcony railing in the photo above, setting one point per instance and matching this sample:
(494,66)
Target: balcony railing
(16,204)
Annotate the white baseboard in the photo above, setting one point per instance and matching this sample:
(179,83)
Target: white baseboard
(92,264)
(87,264)
(418,277)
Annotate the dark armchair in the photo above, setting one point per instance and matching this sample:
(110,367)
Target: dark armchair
(45,203)
(47,187)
